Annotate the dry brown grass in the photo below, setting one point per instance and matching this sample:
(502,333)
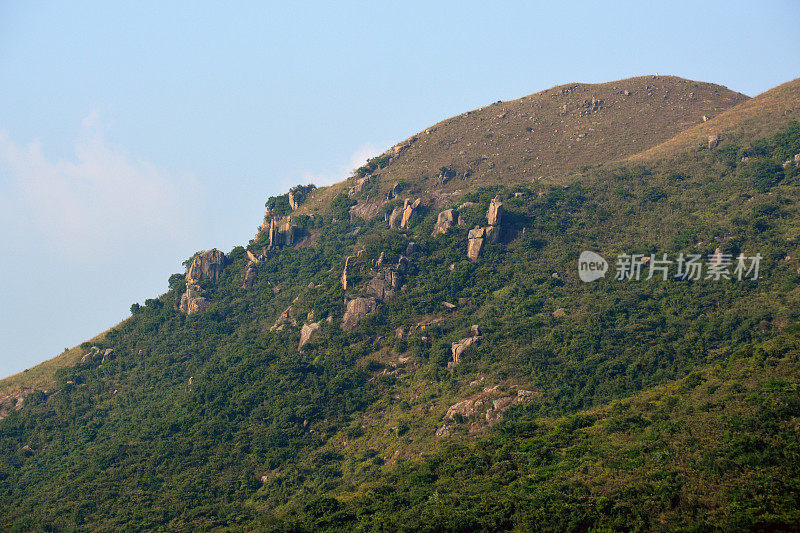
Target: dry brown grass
(533,138)
(758,117)
(42,376)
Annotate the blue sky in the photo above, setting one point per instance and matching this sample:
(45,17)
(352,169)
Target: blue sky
(133,136)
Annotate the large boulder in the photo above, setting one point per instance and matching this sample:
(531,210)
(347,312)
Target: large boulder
(446,220)
(476,239)
(307,332)
(357,309)
(495,214)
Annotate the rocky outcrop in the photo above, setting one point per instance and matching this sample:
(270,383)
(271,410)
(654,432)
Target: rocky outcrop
(485,235)
(193,301)
(293,201)
(344,273)
(250,275)
(395,217)
(383,284)
(445,175)
(458,348)
(476,240)
(307,332)
(495,213)
(287,317)
(359,186)
(108,355)
(408,211)
(446,220)
(96,353)
(357,309)
(91,354)
(484,408)
(285,234)
(13,401)
(713,141)
(207,265)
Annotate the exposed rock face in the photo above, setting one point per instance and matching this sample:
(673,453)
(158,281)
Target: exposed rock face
(108,355)
(292,201)
(476,240)
(207,265)
(384,284)
(359,186)
(91,354)
(344,273)
(357,309)
(484,409)
(287,317)
(396,189)
(250,276)
(395,217)
(486,235)
(560,312)
(443,431)
(464,408)
(716,258)
(13,401)
(408,210)
(447,219)
(445,175)
(458,347)
(192,302)
(285,235)
(495,213)
(713,141)
(307,332)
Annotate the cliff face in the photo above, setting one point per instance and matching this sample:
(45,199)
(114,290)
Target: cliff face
(207,265)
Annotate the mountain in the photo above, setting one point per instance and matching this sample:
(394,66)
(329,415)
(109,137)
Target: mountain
(414,349)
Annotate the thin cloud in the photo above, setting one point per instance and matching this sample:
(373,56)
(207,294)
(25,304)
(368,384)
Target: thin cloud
(100,200)
(356,160)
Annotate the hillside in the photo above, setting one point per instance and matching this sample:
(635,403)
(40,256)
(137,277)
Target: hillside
(542,137)
(413,348)
(761,116)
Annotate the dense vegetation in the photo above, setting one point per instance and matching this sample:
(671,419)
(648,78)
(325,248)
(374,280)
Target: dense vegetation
(662,404)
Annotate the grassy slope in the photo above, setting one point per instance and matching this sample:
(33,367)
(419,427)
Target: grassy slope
(758,117)
(42,376)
